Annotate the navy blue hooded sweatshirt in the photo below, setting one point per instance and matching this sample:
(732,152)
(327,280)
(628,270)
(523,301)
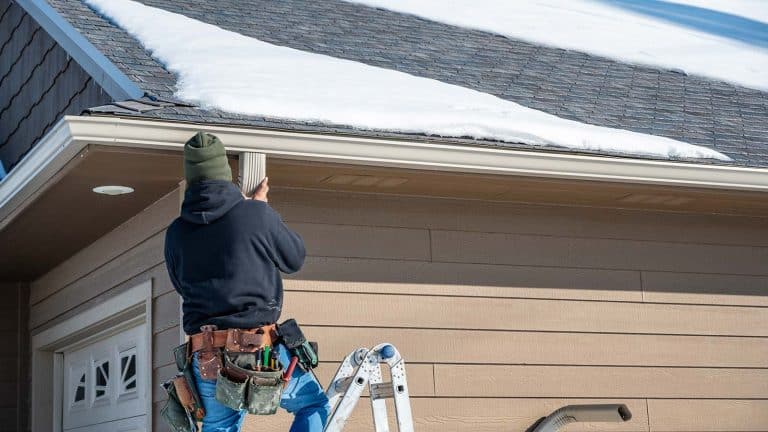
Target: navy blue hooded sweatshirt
(224,255)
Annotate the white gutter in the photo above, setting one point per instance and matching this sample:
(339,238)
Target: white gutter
(103,71)
(73,133)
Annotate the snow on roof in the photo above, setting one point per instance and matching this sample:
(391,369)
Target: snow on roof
(226,70)
(721,39)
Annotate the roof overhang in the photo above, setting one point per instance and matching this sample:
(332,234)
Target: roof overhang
(48,198)
(73,133)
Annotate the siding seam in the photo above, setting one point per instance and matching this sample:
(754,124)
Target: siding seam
(647,415)
(429,236)
(434,381)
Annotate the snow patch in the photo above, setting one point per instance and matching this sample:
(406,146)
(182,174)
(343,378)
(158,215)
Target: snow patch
(721,39)
(221,69)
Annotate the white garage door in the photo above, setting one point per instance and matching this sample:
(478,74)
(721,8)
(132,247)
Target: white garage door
(103,389)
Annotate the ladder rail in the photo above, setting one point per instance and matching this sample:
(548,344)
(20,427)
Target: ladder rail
(401,397)
(362,368)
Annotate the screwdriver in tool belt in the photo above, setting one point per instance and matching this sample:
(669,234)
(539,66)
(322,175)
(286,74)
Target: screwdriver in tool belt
(266,356)
(275,356)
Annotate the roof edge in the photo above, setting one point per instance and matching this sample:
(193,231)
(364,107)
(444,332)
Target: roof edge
(157,134)
(72,134)
(96,64)
(31,176)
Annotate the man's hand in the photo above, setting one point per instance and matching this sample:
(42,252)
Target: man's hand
(262,190)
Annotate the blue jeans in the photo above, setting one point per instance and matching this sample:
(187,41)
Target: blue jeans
(303,397)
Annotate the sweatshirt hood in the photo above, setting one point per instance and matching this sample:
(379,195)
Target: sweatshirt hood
(208,200)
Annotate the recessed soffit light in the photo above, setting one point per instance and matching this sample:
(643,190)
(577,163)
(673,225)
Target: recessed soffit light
(113,190)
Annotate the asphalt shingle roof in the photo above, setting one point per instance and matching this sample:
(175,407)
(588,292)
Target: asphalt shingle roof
(569,84)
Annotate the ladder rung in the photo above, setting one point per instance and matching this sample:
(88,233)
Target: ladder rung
(381,390)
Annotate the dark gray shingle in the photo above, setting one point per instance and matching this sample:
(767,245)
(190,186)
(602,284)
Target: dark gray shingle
(569,84)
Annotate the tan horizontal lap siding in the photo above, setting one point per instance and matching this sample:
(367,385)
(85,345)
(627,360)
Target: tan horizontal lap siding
(500,217)
(344,274)
(474,415)
(506,312)
(462,380)
(503,312)
(515,414)
(125,257)
(526,314)
(499,248)
(549,348)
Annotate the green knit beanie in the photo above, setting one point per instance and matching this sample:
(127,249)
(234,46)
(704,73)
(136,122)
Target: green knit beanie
(205,159)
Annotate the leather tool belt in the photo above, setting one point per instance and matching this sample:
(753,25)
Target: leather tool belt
(210,341)
(247,376)
(228,356)
(239,340)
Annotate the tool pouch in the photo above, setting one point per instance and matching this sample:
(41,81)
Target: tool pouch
(183,407)
(293,339)
(209,357)
(264,392)
(231,392)
(174,412)
(239,386)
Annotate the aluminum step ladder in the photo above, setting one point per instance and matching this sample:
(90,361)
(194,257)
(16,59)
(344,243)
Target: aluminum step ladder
(363,367)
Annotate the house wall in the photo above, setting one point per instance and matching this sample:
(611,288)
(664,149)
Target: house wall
(39,83)
(503,312)
(120,260)
(14,373)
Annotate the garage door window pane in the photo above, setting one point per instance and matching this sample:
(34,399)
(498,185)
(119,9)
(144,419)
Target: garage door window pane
(80,392)
(128,371)
(102,378)
(79,387)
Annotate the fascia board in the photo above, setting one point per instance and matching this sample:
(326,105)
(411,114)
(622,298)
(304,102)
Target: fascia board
(421,155)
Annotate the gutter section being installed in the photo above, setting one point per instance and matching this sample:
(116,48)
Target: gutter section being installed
(74,133)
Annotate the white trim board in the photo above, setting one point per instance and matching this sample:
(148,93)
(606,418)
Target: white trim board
(103,71)
(105,310)
(131,306)
(74,133)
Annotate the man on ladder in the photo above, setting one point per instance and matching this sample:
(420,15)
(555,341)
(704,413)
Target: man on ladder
(224,255)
